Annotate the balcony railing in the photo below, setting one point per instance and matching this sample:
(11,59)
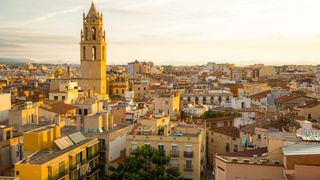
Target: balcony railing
(92,171)
(59,176)
(77,166)
(174,153)
(92,156)
(188,167)
(188,154)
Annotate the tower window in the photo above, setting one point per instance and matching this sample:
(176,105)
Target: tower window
(86,34)
(102,52)
(84,53)
(94,33)
(94,53)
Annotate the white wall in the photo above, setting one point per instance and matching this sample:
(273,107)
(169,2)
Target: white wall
(116,146)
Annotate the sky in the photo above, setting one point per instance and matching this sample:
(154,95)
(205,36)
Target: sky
(167,31)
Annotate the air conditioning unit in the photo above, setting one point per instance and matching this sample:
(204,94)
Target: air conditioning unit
(275,161)
(246,160)
(234,159)
(264,161)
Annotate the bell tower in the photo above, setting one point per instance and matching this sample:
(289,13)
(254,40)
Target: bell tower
(93,52)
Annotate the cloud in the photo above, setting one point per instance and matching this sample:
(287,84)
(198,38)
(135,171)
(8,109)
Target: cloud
(50,15)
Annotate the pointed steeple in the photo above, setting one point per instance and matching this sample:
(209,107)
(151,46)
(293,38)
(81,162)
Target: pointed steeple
(93,11)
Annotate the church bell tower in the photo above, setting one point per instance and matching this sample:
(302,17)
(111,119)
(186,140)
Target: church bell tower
(93,52)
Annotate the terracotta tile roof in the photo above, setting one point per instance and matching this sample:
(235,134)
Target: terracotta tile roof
(59,108)
(249,153)
(309,104)
(260,95)
(229,131)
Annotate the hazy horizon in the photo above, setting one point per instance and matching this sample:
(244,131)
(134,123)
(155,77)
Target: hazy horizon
(177,32)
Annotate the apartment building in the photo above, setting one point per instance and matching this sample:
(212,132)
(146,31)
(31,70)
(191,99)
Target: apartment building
(247,165)
(50,156)
(301,161)
(118,86)
(24,114)
(222,140)
(185,144)
(169,105)
(211,98)
(10,149)
(67,91)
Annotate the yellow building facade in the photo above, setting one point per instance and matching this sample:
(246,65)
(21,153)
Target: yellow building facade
(184,144)
(52,157)
(118,86)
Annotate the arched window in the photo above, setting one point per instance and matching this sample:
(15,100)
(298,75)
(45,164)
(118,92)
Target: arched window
(94,53)
(83,53)
(102,52)
(94,33)
(86,34)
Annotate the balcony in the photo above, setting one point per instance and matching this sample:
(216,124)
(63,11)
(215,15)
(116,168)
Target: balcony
(77,166)
(188,167)
(188,154)
(174,153)
(92,156)
(92,171)
(59,176)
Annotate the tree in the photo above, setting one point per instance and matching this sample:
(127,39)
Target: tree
(145,163)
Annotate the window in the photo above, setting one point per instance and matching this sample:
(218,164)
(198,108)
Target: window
(94,56)
(8,135)
(78,158)
(235,148)
(133,146)
(175,149)
(188,148)
(147,145)
(55,97)
(227,147)
(188,163)
(80,111)
(122,91)
(160,147)
(138,89)
(259,136)
(103,52)
(17,173)
(85,111)
(189,99)
(61,168)
(94,34)
(144,88)
(117,91)
(63,97)
(309,116)
(174,163)
(83,53)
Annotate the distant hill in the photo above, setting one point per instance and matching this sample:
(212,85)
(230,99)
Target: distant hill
(4,60)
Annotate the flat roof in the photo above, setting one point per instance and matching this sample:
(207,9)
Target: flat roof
(301,149)
(46,155)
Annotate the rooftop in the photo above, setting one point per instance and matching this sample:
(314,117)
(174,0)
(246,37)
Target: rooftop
(301,149)
(46,155)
